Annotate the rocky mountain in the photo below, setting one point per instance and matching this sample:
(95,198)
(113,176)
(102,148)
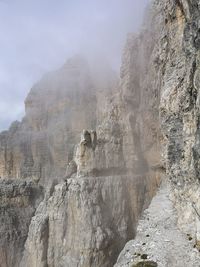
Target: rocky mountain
(176,59)
(57,109)
(95,188)
(100,148)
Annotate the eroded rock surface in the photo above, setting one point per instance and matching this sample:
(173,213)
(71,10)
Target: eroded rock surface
(159,242)
(112,173)
(175,57)
(86,221)
(144,126)
(18,202)
(58,108)
(110,177)
(179,106)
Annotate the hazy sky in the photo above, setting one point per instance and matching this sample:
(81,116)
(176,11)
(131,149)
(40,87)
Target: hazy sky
(39,35)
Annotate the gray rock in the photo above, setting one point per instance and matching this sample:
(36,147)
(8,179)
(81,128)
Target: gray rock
(85,222)
(158,238)
(18,202)
(173,70)
(58,108)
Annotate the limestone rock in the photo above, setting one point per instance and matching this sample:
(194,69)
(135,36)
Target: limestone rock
(179,106)
(18,202)
(57,108)
(173,70)
(86,222)
(159,242)
(71,169)
(85,155)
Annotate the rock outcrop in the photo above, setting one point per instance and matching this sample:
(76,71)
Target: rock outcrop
(159,242)
(146,126)
(86,221)
(113,172)
(18,202)
(175,57)
(85,154)
(57,108)
(179,108)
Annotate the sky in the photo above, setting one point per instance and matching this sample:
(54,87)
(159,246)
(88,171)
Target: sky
(38,36)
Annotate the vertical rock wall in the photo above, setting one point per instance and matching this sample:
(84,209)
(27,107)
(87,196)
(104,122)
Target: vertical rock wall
(87,220)
(57,108)
(179,107)
(172,75)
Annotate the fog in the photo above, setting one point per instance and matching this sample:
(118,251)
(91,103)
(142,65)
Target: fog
(39,35)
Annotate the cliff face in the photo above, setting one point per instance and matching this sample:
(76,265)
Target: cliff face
(85,222)
(111,179)
(158,239)
(179,107)
(134,132)
(175,57)
(18,202)
(57,108)
(112,173)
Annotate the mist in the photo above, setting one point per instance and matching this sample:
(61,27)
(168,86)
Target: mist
(39,36)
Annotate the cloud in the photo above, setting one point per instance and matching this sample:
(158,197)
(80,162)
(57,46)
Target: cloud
(38,36)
